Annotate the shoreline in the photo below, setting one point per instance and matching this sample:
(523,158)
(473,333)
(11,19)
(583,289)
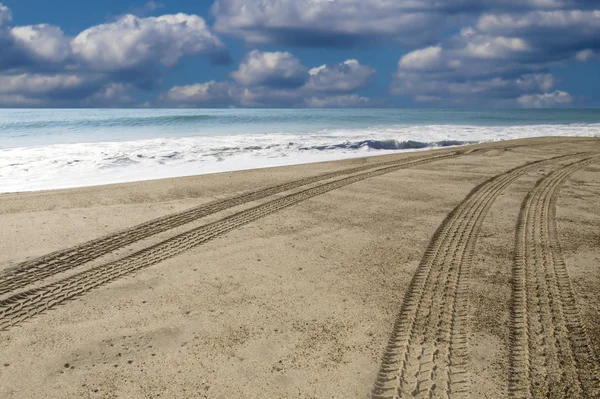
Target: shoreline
(84,164)
(388,153)
(249,168)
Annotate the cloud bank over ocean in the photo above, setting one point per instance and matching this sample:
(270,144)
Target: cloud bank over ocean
(309,53)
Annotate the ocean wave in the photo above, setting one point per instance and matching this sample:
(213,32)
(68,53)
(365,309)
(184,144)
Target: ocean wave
(87,123)
(81,164)
(34,127)
(386,145)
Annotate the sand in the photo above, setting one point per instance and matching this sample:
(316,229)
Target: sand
(464,272)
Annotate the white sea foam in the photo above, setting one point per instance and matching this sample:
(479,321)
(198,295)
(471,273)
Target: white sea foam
(83,164)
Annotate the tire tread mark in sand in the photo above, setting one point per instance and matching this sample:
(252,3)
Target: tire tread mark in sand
(24,305)
(550,354)
(427,352)
(48,265)
(37,269)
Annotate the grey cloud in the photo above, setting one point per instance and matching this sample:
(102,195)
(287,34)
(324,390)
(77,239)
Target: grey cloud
(344,23)
(550,34)
(325,23)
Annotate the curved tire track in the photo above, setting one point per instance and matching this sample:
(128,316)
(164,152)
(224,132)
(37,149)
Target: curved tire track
(550,355)
(427,352)
(24,305)
(19,276)
(37,269)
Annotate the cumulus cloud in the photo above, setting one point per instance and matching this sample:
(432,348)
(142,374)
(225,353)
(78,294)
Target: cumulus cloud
(40,85)
(584,55)
(348,22)
(546,100)
(113,94)
(131,42)
(209,94)
(424,59)
(549,34)
(348,101)
(43,43)
(274,69)
(5,16)
(340,23)
(501,55)
(62,89)
(503,59)
(346,77)
(101,64)
(276,79)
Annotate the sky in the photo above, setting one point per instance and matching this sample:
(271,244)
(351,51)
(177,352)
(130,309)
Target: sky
(300,53)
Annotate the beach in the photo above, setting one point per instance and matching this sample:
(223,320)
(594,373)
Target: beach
(468,271)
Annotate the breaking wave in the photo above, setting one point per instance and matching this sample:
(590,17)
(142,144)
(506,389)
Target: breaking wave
(46,149)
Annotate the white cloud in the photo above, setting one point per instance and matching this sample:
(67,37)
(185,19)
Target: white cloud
(277,79)
(278,69)
(546,100)
(132,42)
(535,82)
(326,23)
(345,77)
(427,58)
(339,23)
(44,43)
(547,34)
(62,89)
(112,95)
(585,55)
(103,65)
(210,94)
(5,16)
(502,60)
(38,84)
(521,23)
(481,46)
(347,101)
(18,100)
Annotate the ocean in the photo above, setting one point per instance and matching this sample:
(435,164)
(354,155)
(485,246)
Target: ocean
(60,148)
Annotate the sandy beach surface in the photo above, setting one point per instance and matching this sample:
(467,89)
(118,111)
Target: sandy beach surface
(464,272)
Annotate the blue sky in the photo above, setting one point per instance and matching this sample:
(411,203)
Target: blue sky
(300,53)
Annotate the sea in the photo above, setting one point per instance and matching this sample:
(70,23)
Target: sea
(44,149)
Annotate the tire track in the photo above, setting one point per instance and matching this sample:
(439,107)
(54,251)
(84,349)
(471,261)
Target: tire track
(37,269)
(27,304)
(550,355)
(33,270)
(427,354)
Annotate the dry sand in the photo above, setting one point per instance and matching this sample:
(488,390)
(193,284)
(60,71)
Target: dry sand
(430,277)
